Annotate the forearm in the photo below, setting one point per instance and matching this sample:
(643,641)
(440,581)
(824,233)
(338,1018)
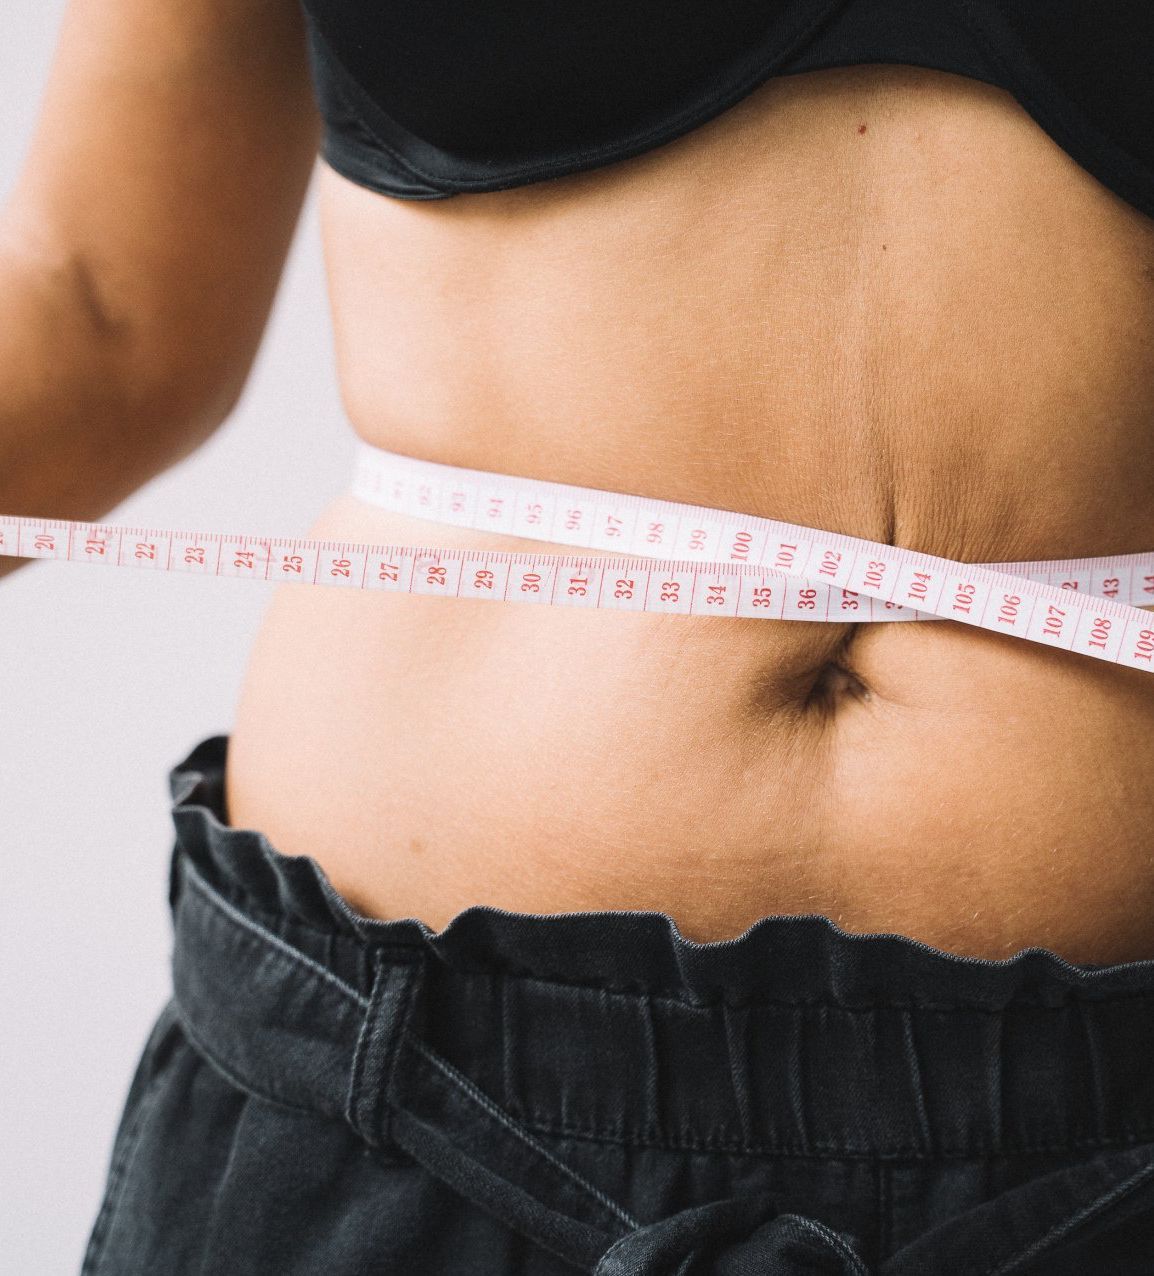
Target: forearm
(82,422)
(143,241)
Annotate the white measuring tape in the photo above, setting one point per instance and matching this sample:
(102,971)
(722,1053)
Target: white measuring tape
(667,558)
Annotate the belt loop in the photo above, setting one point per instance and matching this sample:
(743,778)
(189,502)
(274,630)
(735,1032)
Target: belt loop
(386,1019)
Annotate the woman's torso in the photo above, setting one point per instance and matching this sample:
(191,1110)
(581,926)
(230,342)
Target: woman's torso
(877,300)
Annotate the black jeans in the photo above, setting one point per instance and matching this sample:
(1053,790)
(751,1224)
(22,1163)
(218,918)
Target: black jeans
(592,1092)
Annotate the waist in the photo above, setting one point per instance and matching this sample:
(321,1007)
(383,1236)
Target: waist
(977,792)
(899,345)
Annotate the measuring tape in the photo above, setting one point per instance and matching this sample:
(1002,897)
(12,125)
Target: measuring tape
(667,557)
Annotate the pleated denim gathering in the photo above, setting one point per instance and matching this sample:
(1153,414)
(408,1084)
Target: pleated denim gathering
(592,1092)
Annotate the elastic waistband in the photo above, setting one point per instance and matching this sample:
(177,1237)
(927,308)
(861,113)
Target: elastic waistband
(795,1038)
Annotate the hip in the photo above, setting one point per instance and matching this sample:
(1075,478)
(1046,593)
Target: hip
(595,1093)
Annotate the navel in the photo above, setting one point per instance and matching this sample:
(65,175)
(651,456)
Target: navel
(834,685)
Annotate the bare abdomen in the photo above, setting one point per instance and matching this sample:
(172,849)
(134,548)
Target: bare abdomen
(881,334)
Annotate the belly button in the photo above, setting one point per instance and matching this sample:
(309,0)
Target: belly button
(835,683)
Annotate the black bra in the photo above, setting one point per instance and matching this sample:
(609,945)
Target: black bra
(423,99)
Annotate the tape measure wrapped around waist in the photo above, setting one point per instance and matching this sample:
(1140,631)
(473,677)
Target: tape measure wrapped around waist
(667,557)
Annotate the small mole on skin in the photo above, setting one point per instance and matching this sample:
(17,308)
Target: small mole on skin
(883,248)
(861,128)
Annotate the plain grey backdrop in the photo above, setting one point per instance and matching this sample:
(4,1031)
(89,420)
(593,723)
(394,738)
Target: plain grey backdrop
(107,678)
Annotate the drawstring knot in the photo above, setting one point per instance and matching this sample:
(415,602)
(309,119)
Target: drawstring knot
(744,1236)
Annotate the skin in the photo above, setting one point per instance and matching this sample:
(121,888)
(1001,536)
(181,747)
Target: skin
(882,330)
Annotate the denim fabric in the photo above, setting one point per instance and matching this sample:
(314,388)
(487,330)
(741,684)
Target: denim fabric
(591,1092)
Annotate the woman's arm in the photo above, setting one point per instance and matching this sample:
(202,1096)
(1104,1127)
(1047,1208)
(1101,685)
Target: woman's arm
(142,244)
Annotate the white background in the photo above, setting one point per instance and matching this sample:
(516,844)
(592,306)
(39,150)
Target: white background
(107,679)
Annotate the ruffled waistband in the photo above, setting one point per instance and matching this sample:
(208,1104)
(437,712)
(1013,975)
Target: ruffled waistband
(792,959)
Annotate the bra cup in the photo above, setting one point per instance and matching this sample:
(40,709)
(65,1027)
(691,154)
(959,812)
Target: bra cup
(423,99)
